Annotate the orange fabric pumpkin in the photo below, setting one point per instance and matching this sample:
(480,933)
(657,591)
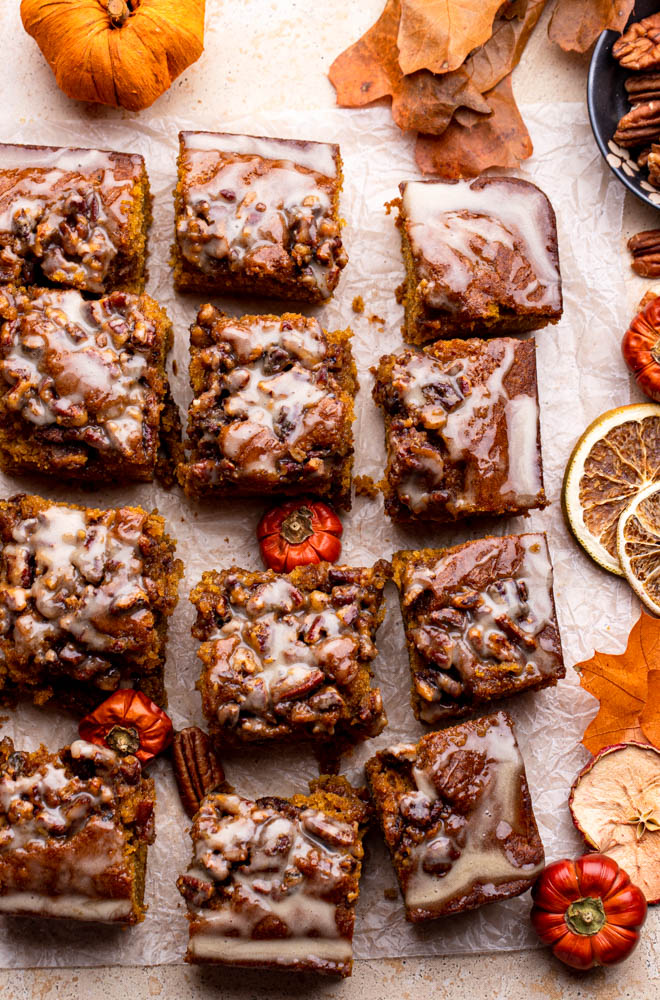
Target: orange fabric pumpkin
(120,52)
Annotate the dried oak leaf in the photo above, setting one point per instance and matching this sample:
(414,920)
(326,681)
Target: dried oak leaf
(576,24)
(369,69)
(501,53)
(427,102)
(424,101)
(476,142)
(439,34)
(627,686)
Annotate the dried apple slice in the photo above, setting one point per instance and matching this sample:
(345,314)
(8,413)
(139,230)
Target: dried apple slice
(615,804)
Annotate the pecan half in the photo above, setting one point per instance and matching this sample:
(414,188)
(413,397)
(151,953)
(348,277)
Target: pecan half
(645,249)
(639,46)
(640,126)
(196,768)
(642,88)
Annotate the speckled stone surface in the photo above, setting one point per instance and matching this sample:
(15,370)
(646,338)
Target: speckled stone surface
(270,54)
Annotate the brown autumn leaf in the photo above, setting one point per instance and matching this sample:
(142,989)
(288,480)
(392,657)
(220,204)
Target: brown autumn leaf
(438,35)
(576,24)
(502,52)
(369,69)
(427,101)
(627,686)
(465,150)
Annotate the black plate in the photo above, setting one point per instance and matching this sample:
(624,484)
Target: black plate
(607,103)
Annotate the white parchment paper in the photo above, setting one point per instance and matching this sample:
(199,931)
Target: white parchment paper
(580,374)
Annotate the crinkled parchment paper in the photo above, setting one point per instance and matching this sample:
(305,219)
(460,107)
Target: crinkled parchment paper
(580,374)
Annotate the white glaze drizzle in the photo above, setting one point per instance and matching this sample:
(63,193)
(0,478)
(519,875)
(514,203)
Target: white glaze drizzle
(62,365)
(450,224)
(266,855)
(483,861)
(83,571)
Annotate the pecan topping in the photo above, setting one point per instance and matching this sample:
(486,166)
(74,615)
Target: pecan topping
(196,768)
(641,125)
(639,47)
(645,250)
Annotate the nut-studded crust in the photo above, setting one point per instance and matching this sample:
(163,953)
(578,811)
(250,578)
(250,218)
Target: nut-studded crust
(74,830)
(480,623)
(312,848)
(257,216)
(73,218)
(272,408)
(462,430)
(287,657)
(457,817)
(84,393)
(85,597)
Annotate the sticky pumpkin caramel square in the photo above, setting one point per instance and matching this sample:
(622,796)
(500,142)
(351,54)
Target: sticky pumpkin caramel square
(75,828)
(462,430)
(272,409)
(480,623)
(457,817)
(273,883)
(85,599)
(481,257)
(84,392)
(73,218)
(258,216)
(286,657)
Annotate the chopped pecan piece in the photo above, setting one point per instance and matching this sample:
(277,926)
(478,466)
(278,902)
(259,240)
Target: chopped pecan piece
(639,46)
(645,87)
(653,164)
(196,768)
(643,157)
(641,125)
(645,250)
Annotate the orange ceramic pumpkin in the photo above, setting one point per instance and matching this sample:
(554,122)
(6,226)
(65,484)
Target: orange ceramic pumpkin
(119,52)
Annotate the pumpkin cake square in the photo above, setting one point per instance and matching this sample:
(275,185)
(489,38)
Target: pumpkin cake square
(75,827)
(74,218)
(272,408)
(457,817)
(85,597)
(257,216)
(84,393)
(480,623)
(461,430)
(481,257)
(273,883)
(286,658)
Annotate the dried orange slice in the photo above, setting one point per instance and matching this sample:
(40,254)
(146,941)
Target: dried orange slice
(617,456)
(638,545)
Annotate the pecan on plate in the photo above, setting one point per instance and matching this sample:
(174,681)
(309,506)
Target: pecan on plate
(640,126)
(196,768)
(639,46)
(643,87)
(653,164)
(643,156)
(645,249)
